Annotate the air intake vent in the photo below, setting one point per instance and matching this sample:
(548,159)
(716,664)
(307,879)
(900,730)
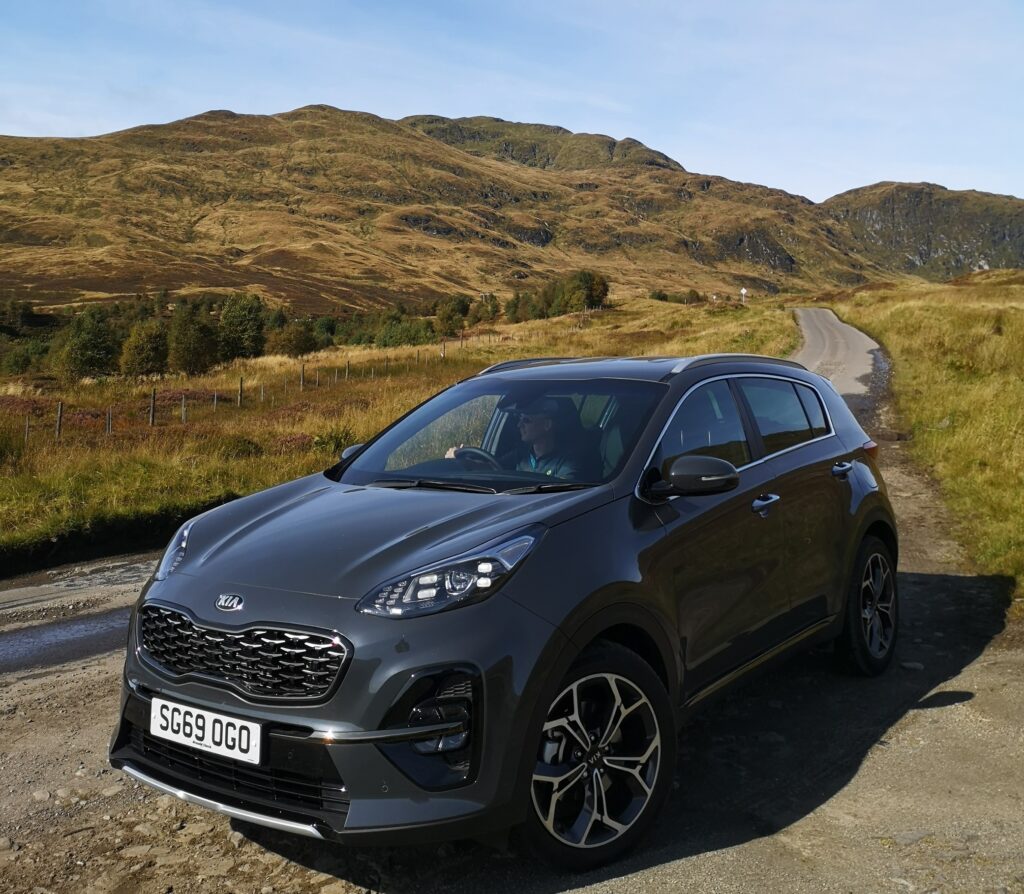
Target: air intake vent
(263,662)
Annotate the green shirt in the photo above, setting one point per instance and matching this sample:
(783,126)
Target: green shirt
(554,464)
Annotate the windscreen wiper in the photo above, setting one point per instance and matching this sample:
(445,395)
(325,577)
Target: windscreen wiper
(433,484)
(549,488)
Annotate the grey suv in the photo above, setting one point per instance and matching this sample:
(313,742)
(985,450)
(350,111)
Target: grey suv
(498,612)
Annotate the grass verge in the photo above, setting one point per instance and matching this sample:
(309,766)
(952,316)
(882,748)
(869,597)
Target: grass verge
(958,382)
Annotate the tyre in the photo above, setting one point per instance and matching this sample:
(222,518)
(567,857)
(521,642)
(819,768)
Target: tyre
(605,760)
(871,625)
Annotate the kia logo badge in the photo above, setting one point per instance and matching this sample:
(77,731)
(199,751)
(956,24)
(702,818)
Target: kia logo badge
(230,602)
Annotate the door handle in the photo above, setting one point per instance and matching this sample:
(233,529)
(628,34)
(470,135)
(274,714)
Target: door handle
(761,504)
(841,470)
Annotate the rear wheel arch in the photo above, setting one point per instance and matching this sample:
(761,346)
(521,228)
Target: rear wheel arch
(887,534)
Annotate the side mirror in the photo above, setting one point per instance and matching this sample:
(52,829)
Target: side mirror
(348,451)
(693,476)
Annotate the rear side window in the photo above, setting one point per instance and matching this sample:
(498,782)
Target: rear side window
(779,413)
(707,423)
(812,407)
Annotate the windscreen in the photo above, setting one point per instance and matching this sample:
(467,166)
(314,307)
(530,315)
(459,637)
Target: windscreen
(506,435)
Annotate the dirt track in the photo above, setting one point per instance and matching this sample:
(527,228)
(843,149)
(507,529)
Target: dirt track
(804,780)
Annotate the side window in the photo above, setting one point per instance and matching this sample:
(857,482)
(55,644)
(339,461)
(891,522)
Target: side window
(778,411)
(707,423)
(812,407)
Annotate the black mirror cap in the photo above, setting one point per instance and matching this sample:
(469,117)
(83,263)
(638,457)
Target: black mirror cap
(694,475)
(350,450)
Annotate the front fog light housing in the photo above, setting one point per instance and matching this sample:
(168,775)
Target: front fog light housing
(457,581)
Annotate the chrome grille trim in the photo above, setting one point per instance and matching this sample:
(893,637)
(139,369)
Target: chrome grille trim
(262,662)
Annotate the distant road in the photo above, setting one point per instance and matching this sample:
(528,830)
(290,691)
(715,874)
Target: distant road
(852,361)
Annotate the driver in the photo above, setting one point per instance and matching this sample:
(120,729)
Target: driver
(540,451)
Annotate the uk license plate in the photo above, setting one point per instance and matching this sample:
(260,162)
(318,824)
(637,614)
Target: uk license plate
(205,730)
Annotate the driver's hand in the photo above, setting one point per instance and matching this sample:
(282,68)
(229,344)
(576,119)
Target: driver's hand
(450,454)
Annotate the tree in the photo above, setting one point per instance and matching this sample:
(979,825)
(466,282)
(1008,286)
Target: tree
(241,327)
(192,342)
(451,313)
(295,339)
(486,310)
(144,352)
(276,319)
(90,347)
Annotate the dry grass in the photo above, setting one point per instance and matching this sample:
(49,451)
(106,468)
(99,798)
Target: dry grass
(958,353)
(328,209)
(92,480)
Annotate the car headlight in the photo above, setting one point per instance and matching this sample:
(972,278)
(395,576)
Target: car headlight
(175,552)
(453,582)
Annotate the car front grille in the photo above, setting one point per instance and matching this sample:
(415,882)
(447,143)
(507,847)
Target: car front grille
(263,662)
(322,790)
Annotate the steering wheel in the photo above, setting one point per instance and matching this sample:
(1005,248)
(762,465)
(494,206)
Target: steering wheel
(479,455)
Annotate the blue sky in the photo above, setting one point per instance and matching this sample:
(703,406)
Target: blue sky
(811,96)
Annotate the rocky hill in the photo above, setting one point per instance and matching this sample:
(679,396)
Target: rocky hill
(933,231)
(329,209)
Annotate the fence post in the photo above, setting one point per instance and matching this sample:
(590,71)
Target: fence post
(239,391)
(214,401)
(261,392)
(347,363)
(373,369)
(335,375)
(152,407)
(318,377)
(60,417)
(184,412)
(302,377)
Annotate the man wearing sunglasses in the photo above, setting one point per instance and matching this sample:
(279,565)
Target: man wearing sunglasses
(541,423)
(541,451)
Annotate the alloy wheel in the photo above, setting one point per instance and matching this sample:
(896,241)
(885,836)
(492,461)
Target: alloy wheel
(878,605)
(598,761)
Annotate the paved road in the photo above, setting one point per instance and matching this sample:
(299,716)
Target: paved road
(851,360)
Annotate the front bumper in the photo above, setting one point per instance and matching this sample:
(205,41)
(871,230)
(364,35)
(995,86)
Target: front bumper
(344,769)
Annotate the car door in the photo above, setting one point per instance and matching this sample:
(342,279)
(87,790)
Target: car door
(807,463)
(721,553)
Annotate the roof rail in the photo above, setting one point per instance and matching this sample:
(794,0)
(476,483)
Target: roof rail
(705,359)
(526,361)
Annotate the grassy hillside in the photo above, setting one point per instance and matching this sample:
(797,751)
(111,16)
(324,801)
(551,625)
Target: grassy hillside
(130,488)
(958,352)
(329,209)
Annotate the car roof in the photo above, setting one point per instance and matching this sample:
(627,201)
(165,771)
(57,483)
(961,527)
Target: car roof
(649,369)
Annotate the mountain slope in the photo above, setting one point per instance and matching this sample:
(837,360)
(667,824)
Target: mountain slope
(329,209)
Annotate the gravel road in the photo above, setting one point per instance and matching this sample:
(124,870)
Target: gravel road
(803,780)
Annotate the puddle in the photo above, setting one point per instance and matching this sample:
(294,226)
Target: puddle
(45,645)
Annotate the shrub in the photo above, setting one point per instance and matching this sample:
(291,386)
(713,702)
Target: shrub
(335,439)
(192,342)
(89,349)
(295,339)
(241,327)
(12,445)
(144,352)
(235,447)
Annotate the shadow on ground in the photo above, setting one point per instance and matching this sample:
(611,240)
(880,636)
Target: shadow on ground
(752,764)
